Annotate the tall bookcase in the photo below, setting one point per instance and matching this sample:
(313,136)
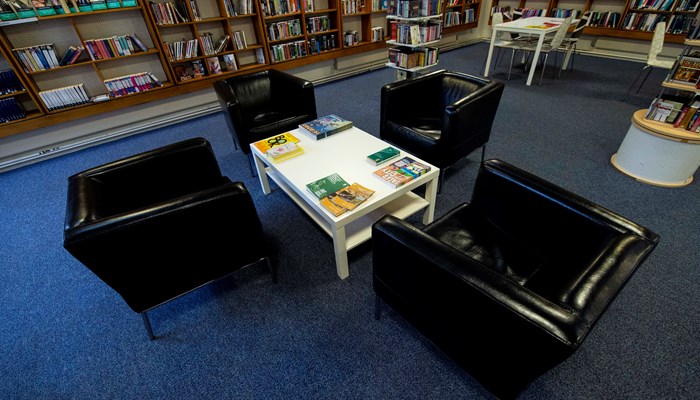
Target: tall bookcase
(51,85)
(631,19)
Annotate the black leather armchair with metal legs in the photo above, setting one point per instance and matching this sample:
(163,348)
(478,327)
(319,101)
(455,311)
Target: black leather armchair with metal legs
(510,284)
(441,117)
(262,104)
(157,225)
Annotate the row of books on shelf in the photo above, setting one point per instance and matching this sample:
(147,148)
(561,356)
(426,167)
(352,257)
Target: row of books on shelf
(211,46)
(9,83)
(19,9)
(659,5)
(196,69)
(413,58)
(414,8)
(64,97)
(288,51)
(284,29)
(238,7)
(133,83)
(680,111)
(453,18)
(11,110)
(415,34)
(114,46)
(321,43)
(271,8)
(169,12)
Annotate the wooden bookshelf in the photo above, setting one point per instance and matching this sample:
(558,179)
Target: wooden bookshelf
(460,15)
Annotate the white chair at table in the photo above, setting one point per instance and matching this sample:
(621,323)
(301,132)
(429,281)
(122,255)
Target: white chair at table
(503,39)
(547,48)
(657,44)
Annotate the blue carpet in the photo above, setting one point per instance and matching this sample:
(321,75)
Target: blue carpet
(66,335)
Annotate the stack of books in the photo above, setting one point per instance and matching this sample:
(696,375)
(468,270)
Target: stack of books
(338,196)
(401,172)
(325,126)
(280,147)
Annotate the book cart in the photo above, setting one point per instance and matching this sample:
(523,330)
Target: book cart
(656,152)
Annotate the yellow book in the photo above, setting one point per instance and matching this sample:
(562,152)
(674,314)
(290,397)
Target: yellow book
(277,140)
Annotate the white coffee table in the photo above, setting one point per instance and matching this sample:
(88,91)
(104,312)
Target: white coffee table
(346,153)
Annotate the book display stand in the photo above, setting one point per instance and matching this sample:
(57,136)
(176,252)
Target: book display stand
(416,28)
(657,152)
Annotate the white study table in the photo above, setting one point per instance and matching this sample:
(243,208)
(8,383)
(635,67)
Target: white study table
(534,26)
(346,153)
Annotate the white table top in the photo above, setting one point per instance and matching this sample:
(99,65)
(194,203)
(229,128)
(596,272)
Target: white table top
(540,25)
(344,153)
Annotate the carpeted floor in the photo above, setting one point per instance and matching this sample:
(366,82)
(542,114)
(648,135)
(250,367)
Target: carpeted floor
(65,335)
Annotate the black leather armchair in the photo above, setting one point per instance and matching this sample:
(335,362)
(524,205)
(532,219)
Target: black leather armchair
(263,104)
(441,117)
(510,284)
(159,224)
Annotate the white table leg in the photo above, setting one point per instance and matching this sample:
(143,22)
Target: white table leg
(488,57)
(262,175)
(535,59)
(431,197)
(341,252)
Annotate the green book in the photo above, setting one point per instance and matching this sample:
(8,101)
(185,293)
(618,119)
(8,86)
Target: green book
(327,185)
(383,156)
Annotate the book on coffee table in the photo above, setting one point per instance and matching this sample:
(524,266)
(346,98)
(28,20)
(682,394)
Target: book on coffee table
(325,126)
(327,185)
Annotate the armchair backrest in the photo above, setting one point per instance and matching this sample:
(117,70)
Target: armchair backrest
(567,232)
(147,178)
(471,110)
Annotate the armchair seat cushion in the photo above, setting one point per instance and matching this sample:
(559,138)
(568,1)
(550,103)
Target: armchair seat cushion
(468,232)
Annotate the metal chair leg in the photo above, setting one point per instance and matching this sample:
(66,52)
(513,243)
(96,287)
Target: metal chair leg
(645,78)
(147,324)
(483,152)
(634,82)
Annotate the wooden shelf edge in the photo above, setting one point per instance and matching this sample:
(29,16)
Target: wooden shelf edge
(664,130)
